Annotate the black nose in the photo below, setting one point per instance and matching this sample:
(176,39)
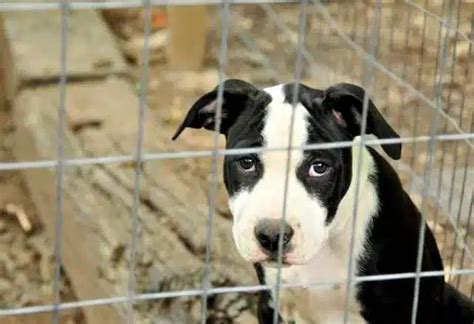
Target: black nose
(267,233)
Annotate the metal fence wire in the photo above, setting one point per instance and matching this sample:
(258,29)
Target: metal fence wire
(413,57)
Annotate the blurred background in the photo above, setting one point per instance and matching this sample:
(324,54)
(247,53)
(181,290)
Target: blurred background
(420,78)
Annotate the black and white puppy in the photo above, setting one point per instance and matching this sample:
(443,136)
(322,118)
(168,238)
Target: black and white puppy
(320,206)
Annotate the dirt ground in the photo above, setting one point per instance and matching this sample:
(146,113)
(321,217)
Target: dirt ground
(26,269)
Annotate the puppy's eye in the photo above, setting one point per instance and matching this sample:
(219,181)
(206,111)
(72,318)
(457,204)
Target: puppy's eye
(318,169)
(247,164)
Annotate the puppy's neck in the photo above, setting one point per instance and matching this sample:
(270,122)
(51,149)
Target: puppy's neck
(360,201)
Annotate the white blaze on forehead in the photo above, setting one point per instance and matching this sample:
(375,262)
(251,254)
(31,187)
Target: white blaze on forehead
(276,133)
(278,121)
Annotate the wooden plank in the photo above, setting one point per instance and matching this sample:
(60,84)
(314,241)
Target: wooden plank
(169,185)
(66,316)
(32,40)
(36,140)
(188,33)
(6,79)
(98,202)
(96,232)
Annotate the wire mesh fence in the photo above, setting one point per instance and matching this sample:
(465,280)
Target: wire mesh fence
(413,57)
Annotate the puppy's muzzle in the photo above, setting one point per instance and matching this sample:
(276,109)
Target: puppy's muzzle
(267,233)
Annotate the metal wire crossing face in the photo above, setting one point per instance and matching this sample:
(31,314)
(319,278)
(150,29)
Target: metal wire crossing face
(413,86)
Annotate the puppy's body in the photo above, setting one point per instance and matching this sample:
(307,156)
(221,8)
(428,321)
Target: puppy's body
(320,187)
(387,245)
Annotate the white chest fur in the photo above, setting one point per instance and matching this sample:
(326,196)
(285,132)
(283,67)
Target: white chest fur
(322,296)
(323,280)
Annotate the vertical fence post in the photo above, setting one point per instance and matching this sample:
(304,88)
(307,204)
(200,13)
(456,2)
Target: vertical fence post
(188,30)
(5,91)
(2,69)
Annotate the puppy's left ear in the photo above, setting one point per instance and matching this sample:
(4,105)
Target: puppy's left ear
(346,100)
(236,95)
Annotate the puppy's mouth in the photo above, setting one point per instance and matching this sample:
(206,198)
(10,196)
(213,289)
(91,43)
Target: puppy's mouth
(272,262)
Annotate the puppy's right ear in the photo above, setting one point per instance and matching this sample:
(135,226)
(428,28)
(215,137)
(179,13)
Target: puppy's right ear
(235,97)
(346,101)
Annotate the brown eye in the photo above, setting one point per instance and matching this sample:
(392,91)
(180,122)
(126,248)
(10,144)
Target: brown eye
(247,164)
(318,169)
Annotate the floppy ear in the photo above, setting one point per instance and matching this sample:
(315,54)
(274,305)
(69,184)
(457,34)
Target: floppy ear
(235,97)
(346,100)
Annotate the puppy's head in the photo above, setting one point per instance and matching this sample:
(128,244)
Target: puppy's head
(317,179)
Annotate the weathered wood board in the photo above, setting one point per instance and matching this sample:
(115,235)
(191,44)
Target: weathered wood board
(97,208)
(65,317)
(31,42)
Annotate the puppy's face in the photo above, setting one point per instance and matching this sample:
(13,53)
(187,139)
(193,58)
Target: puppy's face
(313,181)
(317,179)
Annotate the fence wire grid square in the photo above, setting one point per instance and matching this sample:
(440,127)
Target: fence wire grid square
(426,91)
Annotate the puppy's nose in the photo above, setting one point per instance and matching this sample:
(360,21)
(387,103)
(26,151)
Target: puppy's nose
(267,233)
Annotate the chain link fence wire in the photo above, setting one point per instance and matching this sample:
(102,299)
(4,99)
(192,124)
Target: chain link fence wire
(414,57)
